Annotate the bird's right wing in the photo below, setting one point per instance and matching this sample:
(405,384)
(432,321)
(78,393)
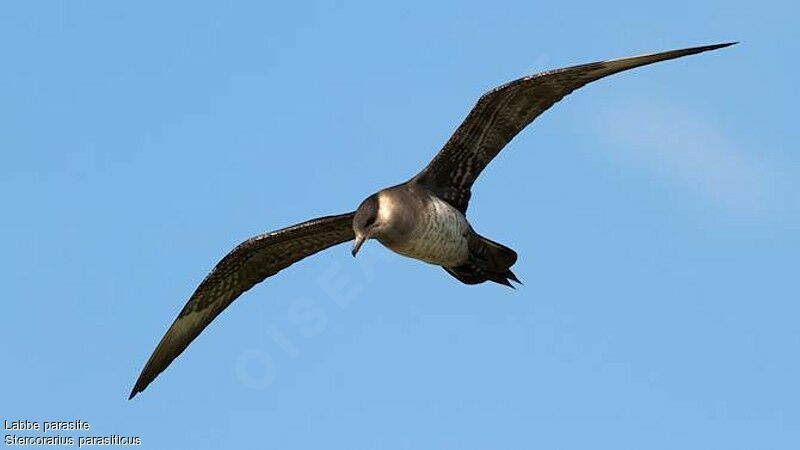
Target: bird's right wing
(503,112)
(245,266)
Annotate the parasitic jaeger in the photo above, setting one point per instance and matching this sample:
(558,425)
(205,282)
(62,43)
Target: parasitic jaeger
(423,218)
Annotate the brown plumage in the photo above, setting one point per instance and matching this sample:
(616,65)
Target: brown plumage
(423,218)
(245,266)
(503,112)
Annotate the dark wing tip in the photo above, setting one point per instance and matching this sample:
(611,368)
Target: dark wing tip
(141,384)
(650,58)
(706,48)
(723,45)
(137,388)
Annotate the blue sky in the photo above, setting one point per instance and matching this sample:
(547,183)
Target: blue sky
(656,216)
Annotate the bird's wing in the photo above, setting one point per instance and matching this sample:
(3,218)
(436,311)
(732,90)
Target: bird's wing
(504,111)
(245,266)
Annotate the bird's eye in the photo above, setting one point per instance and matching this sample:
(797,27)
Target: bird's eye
(370,222)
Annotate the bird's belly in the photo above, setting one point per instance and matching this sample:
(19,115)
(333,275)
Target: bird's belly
(440,237)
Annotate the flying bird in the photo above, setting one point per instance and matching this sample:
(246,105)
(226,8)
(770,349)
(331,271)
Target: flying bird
(423,218)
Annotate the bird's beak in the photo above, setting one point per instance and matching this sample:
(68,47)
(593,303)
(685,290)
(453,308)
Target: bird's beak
(358,243)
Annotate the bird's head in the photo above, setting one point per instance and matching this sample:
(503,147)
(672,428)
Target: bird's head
(367,221)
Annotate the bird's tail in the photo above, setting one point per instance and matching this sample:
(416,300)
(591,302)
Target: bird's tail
(488,261)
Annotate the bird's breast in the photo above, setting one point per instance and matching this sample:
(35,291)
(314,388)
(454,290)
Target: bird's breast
(439,236)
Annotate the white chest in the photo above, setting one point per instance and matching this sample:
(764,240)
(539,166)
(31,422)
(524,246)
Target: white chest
(439,237)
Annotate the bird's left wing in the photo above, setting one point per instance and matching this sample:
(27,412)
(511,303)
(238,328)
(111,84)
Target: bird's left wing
(503,112)
(245,266)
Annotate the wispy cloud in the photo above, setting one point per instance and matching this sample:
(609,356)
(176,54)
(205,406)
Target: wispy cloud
(692,152)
